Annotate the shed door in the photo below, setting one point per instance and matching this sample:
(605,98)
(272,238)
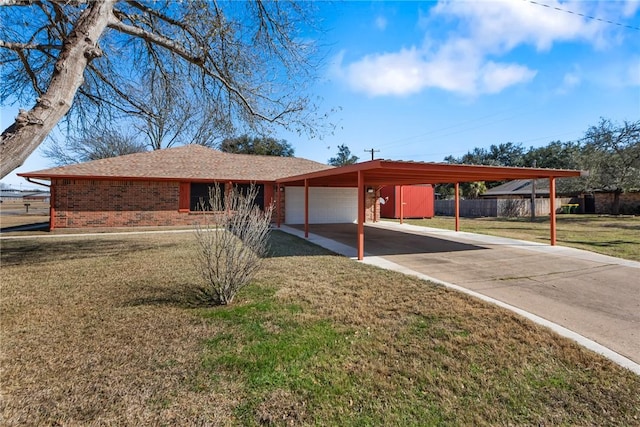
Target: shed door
(327,205)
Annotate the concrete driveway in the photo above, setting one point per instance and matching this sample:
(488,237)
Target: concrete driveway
(595,296)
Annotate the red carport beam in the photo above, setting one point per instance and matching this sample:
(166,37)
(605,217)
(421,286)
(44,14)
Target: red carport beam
(552,208)
(306,208)
(457,186)
(361,196)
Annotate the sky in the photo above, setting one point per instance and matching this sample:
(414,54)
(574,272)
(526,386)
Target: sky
(423,80)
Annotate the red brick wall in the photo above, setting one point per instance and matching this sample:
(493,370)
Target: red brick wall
(82,203)
(629,202)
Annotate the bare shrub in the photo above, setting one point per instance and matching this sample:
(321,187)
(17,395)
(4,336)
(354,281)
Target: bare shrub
(231,242)
(512,208)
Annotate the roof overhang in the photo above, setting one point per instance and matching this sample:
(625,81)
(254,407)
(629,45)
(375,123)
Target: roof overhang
(390,172)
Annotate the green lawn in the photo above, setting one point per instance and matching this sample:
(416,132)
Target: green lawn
(617,236)
(111,330)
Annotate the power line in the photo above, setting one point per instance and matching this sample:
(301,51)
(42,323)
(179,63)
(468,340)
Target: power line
(594,18)
(371,151)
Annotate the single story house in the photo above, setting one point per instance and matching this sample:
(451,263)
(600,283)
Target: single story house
(594,202)
(159,188)
(165,187)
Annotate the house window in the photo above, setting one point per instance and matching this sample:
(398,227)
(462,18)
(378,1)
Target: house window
(199,196)
(259,201)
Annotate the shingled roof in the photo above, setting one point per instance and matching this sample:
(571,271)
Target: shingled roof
(189,162)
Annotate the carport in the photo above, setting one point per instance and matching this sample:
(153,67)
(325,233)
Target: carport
(378,173)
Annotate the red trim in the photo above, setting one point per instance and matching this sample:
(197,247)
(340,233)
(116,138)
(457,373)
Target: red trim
(184,197)
(140,178)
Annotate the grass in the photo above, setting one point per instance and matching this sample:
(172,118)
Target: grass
(617,236)
(112,330)
(14,213)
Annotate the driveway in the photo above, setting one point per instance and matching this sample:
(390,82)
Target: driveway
(595,296)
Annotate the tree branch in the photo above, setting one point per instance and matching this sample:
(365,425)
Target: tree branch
(193,59)
(25,46)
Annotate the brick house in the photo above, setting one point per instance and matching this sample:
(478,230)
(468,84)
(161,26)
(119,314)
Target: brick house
(158,188)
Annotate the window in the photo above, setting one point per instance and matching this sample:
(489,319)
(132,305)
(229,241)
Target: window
(199,199)
(259,201)
(199,195)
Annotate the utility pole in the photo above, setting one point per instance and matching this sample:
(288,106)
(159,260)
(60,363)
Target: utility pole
(372,151)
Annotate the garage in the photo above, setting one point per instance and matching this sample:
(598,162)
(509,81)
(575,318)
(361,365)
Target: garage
(327,205)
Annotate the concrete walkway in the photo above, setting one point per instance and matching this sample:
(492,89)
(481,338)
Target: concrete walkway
(593,299)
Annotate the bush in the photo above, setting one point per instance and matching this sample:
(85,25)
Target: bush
(232,242)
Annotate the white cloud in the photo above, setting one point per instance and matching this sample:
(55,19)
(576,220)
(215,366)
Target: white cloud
(496,77)
(467,61)
(411,71)
(499,26)
(570,80)
(381,23)
(631,7)
(633,73)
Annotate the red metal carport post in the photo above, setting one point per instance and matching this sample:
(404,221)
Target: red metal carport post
(457,206)
(306,208)
(552,208)
(361,196)
(279,204)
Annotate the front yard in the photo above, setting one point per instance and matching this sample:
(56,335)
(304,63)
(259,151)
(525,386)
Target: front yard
(111,330)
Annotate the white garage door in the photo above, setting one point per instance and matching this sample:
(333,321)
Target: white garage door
(327,205)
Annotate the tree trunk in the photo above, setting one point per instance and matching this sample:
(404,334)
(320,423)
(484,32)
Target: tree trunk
(615,206)
(31,127)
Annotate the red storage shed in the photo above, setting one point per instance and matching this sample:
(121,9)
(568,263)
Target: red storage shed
(418,201)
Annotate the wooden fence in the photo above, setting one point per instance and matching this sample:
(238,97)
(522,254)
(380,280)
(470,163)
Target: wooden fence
(498,207)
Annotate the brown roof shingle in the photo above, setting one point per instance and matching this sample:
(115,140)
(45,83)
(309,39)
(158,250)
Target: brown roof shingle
(189,162)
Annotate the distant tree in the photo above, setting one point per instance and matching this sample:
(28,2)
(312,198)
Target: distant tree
(344,157)
(611,154)
(96,143)
(263,146)
(507,154)
(555,155)
(468,190)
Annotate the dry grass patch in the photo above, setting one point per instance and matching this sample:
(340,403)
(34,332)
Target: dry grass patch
(13,213)
(111,330)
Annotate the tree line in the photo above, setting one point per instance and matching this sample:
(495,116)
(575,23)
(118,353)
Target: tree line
(609,151)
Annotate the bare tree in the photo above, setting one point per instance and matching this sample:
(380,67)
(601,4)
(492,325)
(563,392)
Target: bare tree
(96,143)
(175,118)
(232,242)
(78,60)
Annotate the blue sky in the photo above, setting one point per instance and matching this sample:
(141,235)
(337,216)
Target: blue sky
(423,80)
